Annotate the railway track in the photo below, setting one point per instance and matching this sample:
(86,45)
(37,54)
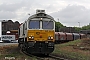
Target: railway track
(57,57)
(43,57)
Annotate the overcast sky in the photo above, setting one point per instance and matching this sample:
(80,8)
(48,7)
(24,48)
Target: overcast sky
(69,12)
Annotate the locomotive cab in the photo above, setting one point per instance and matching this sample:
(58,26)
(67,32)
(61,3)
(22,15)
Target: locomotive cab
(36,35)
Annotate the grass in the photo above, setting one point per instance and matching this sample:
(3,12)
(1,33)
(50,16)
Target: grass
(71,50)
(67,50)
(12,52)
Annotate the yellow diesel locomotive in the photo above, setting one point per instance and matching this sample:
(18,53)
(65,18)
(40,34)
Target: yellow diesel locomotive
(36,34)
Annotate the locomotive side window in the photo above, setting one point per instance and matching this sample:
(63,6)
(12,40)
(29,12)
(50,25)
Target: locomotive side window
(23,28)
(34,24)
(47,25)
(25,25)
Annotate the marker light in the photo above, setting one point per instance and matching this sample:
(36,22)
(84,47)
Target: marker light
(40,18)
(49,37)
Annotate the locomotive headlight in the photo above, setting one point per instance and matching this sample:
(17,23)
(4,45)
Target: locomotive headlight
(32,37)
(29,37)
(51,37)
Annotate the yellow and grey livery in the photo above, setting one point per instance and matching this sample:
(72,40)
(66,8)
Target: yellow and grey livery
(36,34)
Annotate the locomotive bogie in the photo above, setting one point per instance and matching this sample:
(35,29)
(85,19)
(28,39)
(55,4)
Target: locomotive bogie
(34,47)
(40,47)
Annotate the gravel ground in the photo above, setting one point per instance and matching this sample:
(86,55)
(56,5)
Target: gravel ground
(12,52)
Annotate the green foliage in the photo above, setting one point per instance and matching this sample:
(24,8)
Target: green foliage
(57,26)
(82,28)
(86,27)
(77,29)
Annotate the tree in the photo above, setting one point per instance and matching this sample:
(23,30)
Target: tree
(77,29)
(86,27)
(57,26)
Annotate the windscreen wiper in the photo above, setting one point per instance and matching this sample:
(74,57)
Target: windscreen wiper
(48,23)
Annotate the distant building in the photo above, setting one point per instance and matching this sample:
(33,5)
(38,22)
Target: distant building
(9,25)
(85,31)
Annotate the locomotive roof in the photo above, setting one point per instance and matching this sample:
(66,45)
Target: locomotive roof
(36,16)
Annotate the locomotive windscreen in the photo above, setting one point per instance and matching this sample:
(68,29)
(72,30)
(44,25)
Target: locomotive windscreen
(47,25)
(34,24)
